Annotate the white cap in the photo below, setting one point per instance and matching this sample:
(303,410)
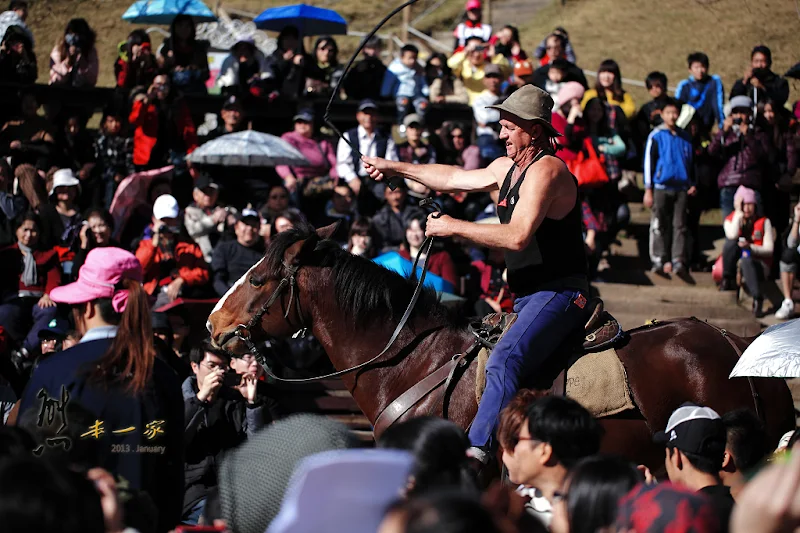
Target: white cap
(64,177)
(166,206)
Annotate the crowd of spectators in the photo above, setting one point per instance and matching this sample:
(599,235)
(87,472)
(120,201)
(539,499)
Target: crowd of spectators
(86,268)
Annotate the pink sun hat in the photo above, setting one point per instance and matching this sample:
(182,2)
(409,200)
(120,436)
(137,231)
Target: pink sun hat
(98,278)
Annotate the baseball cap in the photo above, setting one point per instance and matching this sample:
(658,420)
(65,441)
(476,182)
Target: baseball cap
(248,213)
(306,115)
(522,68)
(160,321)
(492,70)
(367,104)
(64,177)
(58,327)
(472,4)
(233,102)
(204,181)
(98,278)
(166,206)
(412,118)
(694,429)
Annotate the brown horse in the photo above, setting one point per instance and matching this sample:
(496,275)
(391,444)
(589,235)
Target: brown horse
(352,305)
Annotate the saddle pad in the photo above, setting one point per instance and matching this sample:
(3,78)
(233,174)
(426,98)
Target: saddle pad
(597,381)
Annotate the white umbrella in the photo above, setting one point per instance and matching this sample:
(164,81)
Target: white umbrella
(248,149)
(774,354)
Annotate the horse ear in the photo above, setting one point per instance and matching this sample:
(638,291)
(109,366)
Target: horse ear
(328,231)
(293,253)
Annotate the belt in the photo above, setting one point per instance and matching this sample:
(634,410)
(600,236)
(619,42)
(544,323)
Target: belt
(578,283)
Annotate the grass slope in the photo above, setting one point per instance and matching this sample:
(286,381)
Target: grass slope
(48,18)
(647,35)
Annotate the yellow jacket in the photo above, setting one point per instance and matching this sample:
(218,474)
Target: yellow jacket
(627,104)
(473,76)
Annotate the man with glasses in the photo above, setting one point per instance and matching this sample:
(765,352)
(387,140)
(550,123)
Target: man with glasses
(221,410)
(556,434)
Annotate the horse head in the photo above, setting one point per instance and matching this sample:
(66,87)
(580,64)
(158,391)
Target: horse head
(266,301)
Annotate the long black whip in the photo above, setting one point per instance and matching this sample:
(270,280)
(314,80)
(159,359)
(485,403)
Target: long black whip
(326,118)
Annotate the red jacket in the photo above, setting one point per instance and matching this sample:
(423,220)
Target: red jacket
(145,118)
(189,261)
(439,263)
(48,269)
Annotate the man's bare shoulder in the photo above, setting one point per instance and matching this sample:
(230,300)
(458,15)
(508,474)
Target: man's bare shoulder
(500,167)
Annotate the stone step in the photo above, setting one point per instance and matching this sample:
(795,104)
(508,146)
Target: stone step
(663,308)
(667,294)
(741,327)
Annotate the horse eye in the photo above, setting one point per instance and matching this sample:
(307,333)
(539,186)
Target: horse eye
(256,282)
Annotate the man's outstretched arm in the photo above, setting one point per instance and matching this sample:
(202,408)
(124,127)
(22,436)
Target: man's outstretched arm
(441,178)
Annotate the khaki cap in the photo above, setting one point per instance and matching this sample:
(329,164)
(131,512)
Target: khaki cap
(532,104)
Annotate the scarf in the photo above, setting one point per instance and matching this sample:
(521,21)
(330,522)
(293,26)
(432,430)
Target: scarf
(30,277)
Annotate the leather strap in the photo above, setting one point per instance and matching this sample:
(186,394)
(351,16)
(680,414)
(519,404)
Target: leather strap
(753,390)
(559,387)
(444,374)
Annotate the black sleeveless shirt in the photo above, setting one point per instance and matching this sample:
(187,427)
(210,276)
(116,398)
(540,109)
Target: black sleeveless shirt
(556,256)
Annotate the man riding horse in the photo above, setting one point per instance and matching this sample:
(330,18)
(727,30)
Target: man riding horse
(540,233)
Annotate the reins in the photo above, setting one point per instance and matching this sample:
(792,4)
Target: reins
(242,331)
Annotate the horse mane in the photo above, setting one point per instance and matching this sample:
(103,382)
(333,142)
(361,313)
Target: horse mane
(364,290)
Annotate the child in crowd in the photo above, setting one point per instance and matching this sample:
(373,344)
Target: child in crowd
(649,116)
(703,92)
(668,181)
(113,153)
(405,82)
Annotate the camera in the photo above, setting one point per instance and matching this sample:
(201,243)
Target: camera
(232,379)
(737,121)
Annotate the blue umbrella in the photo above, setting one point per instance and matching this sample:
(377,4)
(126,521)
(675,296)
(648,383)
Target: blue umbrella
(396,263)
(309,20)
(164,11)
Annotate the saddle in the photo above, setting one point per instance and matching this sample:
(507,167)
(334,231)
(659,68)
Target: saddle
(600,332)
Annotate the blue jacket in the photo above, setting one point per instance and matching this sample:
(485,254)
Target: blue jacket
(155,470)
(706,96)
(668,160)
(402,81)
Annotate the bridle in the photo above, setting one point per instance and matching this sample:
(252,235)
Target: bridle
(243,331)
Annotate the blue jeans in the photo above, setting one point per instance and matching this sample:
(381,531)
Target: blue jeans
(24,319)
(420,105)
(193,515)
(545,320)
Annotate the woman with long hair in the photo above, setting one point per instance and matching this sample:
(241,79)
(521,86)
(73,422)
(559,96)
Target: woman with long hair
(185,57)
(73,61)
(95,233)
(587,501)
(114,374)
(439,262)
(440,454)
(781,164)
(323,70)
(609,88)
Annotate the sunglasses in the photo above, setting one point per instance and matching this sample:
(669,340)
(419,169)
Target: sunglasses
(457,136)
